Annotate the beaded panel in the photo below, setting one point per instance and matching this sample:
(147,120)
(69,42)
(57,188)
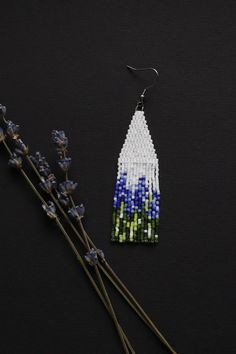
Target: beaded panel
(137,195)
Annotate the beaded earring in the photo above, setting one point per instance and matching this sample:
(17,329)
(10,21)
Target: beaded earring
(137,194)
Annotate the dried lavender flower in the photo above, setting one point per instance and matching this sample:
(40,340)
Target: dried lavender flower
(64,163)
(2,135)
(13,130)
(91,257)
(41,164)
(77,212)
(60,153)
(37,158)
(101,254)
(15,161)
(3,109)
(59,138)
(50,210)
(67,187)
(48,184)
(44,171)
(21,148)
(63,200)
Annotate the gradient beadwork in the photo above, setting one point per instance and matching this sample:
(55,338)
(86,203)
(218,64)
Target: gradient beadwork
(137,196)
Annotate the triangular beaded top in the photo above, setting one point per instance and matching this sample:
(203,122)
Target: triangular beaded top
(137,195)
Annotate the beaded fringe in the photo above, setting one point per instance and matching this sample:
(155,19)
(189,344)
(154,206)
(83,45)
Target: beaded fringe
(137,195)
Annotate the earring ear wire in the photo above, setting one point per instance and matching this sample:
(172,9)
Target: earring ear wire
(140,103)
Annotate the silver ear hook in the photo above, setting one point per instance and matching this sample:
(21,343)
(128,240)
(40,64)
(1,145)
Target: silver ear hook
(140,103)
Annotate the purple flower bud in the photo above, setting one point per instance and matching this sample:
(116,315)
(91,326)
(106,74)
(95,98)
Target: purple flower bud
(13,130)
(77,212)
(41,164)
(91,257)
(3,110)
(50,209)
(2,135)
(63,200)
(64,163)
(59,138)
(15,161)
(21,148)
(48,184)
(67,187)
(100,253)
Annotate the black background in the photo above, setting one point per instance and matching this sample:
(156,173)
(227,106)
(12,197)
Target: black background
(63,67)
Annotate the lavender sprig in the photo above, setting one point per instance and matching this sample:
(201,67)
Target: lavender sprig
(41,167)
(62,153)
(48,184)
(50,209)
(13,132)
(67,188)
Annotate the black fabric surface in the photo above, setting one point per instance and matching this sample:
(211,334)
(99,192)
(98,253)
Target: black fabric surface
(63,67)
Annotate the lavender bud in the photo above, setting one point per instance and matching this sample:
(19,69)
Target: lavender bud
(3,110)
(59,138)
(48,184)
(15,161)
(50,209)
(77,212)
(13,130)
(64,200)
(91,257)
(64,163)
(67,187)
(22,149)
(2,135)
